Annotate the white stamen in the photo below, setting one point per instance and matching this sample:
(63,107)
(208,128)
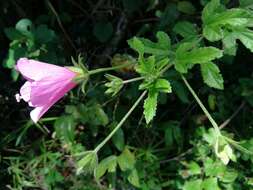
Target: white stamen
(18,97)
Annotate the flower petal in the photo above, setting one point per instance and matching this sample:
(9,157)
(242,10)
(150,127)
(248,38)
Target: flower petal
(45,90)
(39,111)
(25,91)
(36,70)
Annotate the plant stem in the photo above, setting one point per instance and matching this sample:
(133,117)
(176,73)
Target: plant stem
(133,80)
(238,146)
(141,78)
(48,119)
(225,123)
(214,124)
(166,68)
(120,123)
(51,7)
(100,70)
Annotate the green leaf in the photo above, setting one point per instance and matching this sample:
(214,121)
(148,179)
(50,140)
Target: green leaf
(14,74)
(136,44)
(211,75)
(210,136)
(212,34)
(65,129)
(193,185)
(186,59)
(246,37)
(186,7)
(218,21)
(43,34)
(163,85)
(181,91)
(229,43)
(200,55)
(150,105)
(226,154)
(91,113)
(194,168)
(214,169)
(133,178)
(212,101)
(168,16)
(163,40)
(169,137)
(210,184)
(118,139)
(25,27)
(114,85)
(212,7)
(147,67)
(108,164)
(185,29)
(97,115)
(229,176)
(142,45)
(10,61)
(246,3)
(103,31)
(172,133)
(13,34)
(231,17)
(53,176)
(126,160)
(88,163)
(223,150)
(14,54)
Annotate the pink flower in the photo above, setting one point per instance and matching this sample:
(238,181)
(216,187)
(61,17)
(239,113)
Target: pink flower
(45,85)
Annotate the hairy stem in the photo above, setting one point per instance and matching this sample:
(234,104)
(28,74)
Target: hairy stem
(100,70)
(208,115)
(120,123)
(133,80)
(225,123)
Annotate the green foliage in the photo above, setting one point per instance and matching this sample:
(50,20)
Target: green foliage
(150,105)
(28,40)
(211,75)
(186,7)
(185,29)
(119,140)
(158,140)
(87,163)
(172,134)
(108,164)
(64,128)
(187,58)
(227,25)
(114,86)
(142,45)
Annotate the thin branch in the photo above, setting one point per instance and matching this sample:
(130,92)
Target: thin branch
(225,123)
(208,115)
(177,158)
(118,35)
(60,24)
(97,6)
(79,7)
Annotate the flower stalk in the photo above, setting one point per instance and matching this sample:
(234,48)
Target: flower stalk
(100,70)
(121,122)
(208,115)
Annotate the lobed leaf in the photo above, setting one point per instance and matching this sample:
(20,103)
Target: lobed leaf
(211,75)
